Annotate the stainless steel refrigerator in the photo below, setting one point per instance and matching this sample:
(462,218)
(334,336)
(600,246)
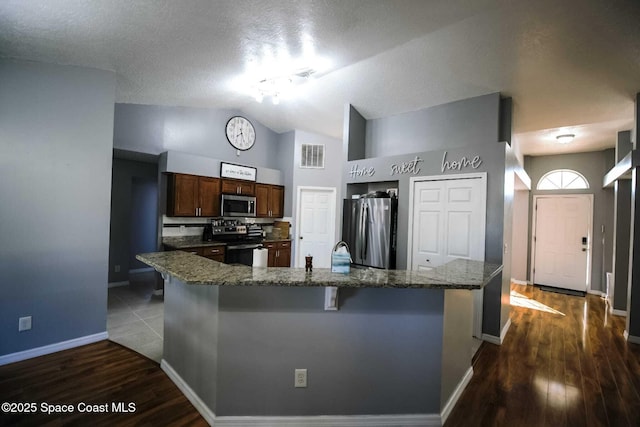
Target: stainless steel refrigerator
(369,227)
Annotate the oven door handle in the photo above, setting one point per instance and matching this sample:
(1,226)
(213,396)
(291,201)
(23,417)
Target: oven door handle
(245,246)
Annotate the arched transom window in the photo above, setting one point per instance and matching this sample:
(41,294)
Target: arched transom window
(562,179)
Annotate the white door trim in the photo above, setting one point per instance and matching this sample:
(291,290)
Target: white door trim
(534,218)
(412,182)
(296,235)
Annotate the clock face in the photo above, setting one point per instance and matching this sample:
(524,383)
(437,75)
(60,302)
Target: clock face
(240,133)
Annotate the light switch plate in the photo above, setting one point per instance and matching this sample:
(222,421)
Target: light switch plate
(24,323)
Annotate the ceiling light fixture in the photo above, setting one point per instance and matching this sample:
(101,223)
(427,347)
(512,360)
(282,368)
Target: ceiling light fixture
(565,139)
(278,87)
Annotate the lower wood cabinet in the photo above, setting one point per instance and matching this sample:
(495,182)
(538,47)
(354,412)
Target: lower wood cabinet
(279,254)
(215,253)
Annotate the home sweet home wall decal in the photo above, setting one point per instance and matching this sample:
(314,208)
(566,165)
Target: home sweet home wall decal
(411,166)
(462,163)
(356,172)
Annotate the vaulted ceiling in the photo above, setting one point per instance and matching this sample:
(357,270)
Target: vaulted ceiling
(571,66)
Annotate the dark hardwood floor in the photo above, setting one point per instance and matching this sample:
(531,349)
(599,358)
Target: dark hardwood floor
(97,374)
(564,362)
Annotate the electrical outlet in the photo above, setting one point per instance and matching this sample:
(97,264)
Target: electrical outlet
(300,378)
(24,323)
(117,268)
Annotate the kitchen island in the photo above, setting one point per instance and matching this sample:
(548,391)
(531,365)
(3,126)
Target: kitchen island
(396,352)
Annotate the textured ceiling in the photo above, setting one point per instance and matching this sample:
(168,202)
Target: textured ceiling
(569,65)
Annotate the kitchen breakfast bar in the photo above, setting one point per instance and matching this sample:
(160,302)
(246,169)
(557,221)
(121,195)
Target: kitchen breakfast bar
(397,351)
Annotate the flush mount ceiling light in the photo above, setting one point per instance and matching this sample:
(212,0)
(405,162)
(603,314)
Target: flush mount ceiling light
(279,77)
(565,139)
(277,87)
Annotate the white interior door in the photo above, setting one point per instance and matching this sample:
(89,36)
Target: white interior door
(448,221)
(448,218)
(316,225)
(562,240)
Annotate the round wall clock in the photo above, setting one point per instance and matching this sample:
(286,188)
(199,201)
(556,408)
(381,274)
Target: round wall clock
(240,133)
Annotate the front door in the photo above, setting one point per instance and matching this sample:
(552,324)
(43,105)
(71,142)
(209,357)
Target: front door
(316,225)
(448,222)
(562,241)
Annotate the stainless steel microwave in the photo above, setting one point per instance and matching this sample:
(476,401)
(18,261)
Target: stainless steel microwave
(242,206)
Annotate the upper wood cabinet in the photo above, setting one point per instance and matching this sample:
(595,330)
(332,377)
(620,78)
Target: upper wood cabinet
(269,201)
(236,186)
(191,195)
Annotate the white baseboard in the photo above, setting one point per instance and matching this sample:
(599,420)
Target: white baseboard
(519,282)
(404,420)
(498,340)
(188,392)
(446,411)
(617,312)
(631,338)
(422,420)
(117,284)
(52,348)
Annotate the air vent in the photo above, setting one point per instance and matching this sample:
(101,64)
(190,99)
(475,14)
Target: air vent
(312,156)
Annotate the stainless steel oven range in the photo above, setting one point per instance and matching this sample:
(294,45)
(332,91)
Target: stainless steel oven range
(241,240)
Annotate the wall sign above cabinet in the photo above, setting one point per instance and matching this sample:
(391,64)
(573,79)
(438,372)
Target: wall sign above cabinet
(459,164)
(366,171)
(411,166)
(229,170)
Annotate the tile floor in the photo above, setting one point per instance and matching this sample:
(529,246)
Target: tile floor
(135,316)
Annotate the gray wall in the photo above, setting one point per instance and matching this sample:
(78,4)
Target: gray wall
(134,203)
(622,225)
(285,164)
(593,166)
(383,344)
(354,134)
(457,124)
(155,129)
(519,241)
(56,133)
(622,240)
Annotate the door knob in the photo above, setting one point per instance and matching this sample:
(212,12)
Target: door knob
(300,237)
(428,260)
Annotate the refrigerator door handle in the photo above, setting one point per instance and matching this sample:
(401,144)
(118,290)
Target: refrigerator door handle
(361,235)
(366,231)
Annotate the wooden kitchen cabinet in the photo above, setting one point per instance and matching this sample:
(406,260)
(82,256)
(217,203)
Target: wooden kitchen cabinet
(192,195)
(209,196)
(236,186)
(215,253)
(279,253)
(269,201)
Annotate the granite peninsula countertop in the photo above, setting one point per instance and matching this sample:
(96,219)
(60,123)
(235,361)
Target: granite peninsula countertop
(195,270)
